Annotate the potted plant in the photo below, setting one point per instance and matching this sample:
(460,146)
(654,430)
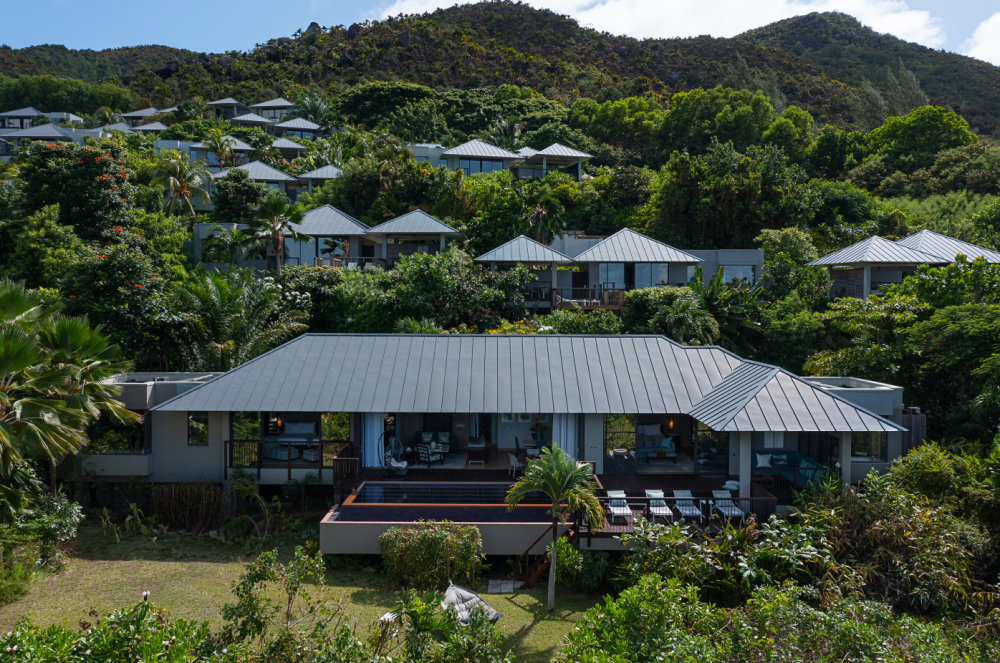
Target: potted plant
(538,431)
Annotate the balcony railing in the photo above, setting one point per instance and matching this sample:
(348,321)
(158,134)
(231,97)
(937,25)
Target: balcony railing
(319,455)
(784,482)
(351,263)
(588,298)
(538,291)
(537,173)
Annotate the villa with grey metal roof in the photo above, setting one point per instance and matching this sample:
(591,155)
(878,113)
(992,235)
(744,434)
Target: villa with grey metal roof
(554,158)
(948,248)
(320,176)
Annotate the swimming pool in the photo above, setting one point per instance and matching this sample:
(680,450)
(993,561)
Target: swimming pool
(406,493)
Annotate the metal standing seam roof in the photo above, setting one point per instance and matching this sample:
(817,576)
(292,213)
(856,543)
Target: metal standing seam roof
(299,123)
(41,132)
(228,101)
(251,117)
(325,173)
(152,126)
(416,222)
(145,112)
(557,150)
(629,246)
(466,373)
(237,145)
(759,397)
(524,249)
(118,126)
(876,249)
(258,171)
(27,111)
(286,144)
(479,148)
(526,152)
(328,220)
(946,247)
(274,103)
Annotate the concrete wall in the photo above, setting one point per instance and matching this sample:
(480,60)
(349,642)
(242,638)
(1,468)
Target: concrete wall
(176,460)
(593,440)
(113,466)
(711,260)
(361,538)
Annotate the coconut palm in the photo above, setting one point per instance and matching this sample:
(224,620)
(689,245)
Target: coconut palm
(333,244)
(220,144)
(181,180)
(104,116)
(221,245)
(733,305)
(570,485)
(504,134)
(686,322)
(228,319)
(311,107)
(274,220)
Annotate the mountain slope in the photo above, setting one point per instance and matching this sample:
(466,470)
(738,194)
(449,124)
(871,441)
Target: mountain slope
(850,52)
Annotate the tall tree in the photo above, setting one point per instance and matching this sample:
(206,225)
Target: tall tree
(561,479)
(271,223)
(181,180)
(220,144)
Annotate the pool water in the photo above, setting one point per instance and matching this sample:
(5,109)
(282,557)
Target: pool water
(439,493)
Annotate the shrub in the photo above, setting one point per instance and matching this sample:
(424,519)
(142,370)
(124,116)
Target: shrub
(427,554)
(238,528)
(569,562)
(641,305)
(582,322)
(196,507)
(595,573)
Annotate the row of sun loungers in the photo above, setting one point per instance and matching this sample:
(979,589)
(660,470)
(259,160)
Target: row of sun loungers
(683,506)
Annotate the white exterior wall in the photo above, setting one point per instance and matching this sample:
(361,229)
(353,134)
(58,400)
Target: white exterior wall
(175,459)
(593,439)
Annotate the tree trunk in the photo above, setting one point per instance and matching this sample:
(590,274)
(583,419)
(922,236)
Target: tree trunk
(552,566)
(278,256)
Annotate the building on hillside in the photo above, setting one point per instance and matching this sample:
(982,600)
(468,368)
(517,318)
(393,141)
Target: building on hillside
(273,109)
(414,232)
(48,133)
(555,158)
(289,149)
(241,153)
(22,118)
(477,156)
(150,127)
(432,153)
(139,117)
(317,178)
(298,128)
(252,120)
(269,175)
(542,261)
(229,108)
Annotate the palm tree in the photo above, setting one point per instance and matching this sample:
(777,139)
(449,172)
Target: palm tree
(311,107)
(271,223)
(686,322)
(332,244)
(733,305)
(570,485)
(104,116)
(181,180)
(53,384)
(219,143)
(228,319)
(221,245)
(504,134)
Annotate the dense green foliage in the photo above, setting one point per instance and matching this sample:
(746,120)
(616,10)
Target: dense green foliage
(428,555)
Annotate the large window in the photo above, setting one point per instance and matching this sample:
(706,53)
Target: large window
(473,166)
(744,272)
(868,447)
(612,274)
(198,429)
(650,274)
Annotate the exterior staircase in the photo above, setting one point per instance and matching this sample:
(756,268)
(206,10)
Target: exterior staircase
(541,563)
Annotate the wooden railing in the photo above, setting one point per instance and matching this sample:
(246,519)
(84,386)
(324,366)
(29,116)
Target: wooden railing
(538,291)
(784,482)
(588,298)
(350,263)
(255,455)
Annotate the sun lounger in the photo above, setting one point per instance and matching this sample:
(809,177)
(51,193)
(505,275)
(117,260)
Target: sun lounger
(686,507)
(659,508)
(724,504)
(618,506)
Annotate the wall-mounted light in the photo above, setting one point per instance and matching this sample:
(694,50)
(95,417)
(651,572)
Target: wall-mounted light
(671,423)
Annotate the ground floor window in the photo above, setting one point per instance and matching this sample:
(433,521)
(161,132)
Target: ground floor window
(109,437)
(198,429)
(711,449)
(473,166)
(868,447)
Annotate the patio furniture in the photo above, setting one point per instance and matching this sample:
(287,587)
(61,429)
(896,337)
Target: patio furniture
(311,454)
(477,453)
(724,504)
(618,506)
(515,465)
(620,453)
(279,451)
(427,455)
(686,507)
(651,443)
(659,508)
(464,601)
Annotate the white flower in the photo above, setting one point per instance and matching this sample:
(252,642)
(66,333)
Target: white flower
(145,596)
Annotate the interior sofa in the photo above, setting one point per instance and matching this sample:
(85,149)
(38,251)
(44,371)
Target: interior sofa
(781,462)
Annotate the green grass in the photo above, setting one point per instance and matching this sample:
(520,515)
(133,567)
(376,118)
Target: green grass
(192,576)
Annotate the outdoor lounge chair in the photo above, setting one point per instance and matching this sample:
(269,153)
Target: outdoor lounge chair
(686,507)
(515,465)
(659,508)
(724,504)
(618,506)
(426,455)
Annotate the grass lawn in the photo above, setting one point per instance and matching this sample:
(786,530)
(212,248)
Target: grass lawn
(192,577)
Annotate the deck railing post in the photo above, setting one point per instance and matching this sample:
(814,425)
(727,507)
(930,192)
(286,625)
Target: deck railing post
(260,457)
(289,460)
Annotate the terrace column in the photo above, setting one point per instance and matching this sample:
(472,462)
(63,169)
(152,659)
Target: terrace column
(442,242)
(555,283)
(867,287)
(745,471)
(845,458)
(579,170)
(544,166)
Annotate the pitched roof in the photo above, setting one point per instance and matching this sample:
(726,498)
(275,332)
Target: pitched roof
(152,126)
(947,247)
(524,249)
(286,144)
(467,373)
(527,152)
(27,111)
(324,173)
(258,171)
(479,148)
(759,397)
(228,101)
(629,246)
(299,123)
(237,145)
(557,150)
(172,109)
(145,112)
(327,220)
(41,132)
(251,117)
(274,103)
(877,250)
(118,126)
(417,222)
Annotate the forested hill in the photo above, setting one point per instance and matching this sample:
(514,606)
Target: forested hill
(814,60)
(87,65)
(847,51)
